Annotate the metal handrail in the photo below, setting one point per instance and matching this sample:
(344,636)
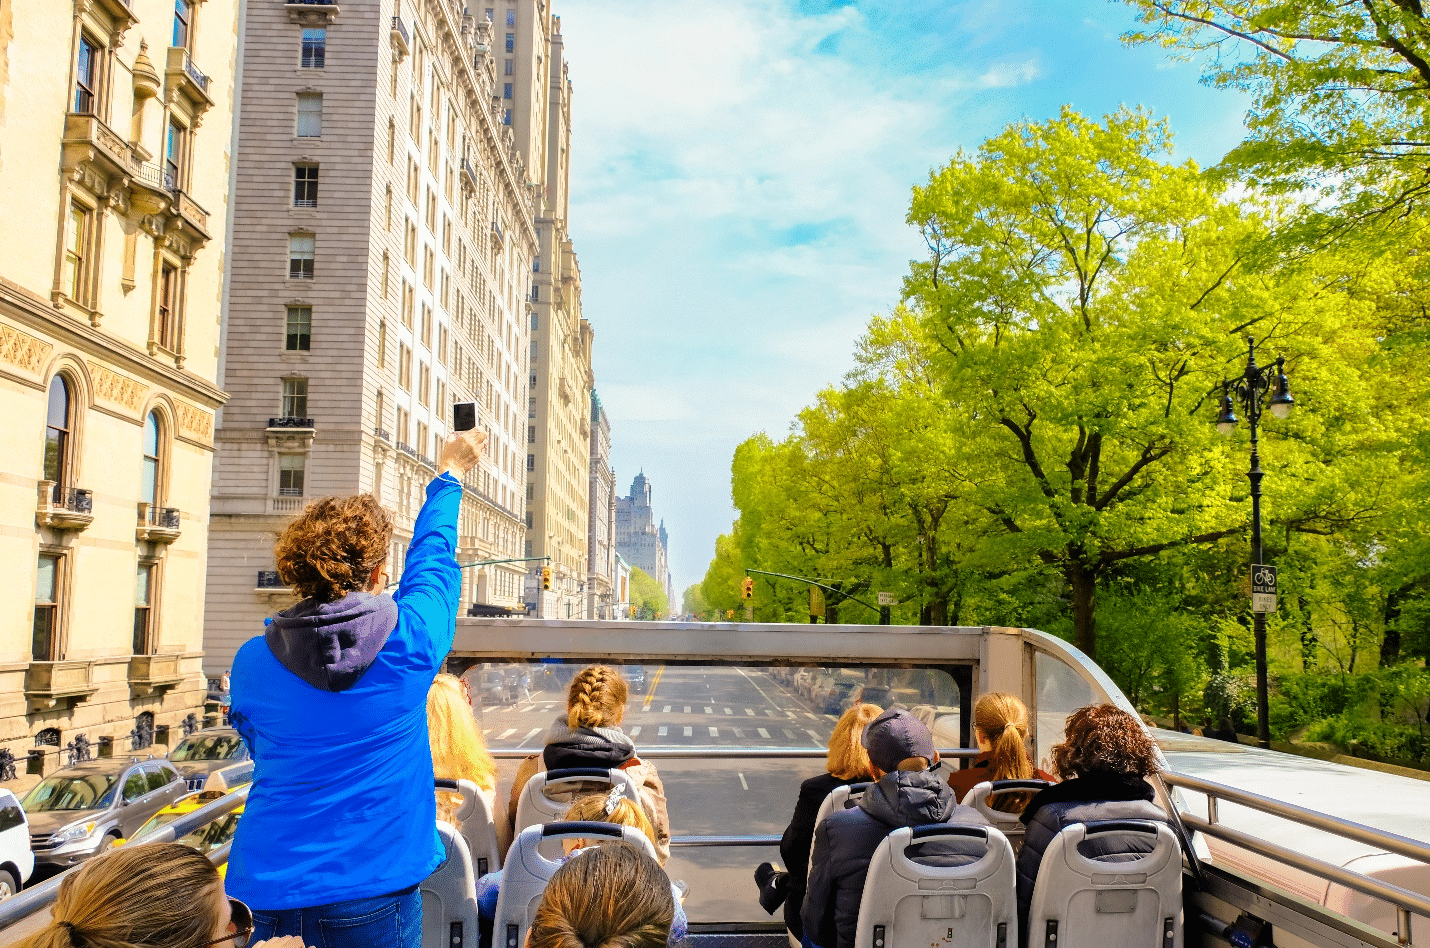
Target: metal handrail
(727,753)
(702,842)
(33,899)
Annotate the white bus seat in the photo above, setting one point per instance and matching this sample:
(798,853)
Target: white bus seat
(474,822)
(1131,900)
(524,877)
(910,904)
(536,806)
(449,897)
(1009,823)
(840,798)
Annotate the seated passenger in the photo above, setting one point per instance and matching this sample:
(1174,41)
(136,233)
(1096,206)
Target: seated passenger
(848,762)
(161,895)
(608,897)
(907,793)
(1104,756)
(614,808)
(459,753)
(1000,725)
(588,734)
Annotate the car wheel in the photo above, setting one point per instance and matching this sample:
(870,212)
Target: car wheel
(9,885)
(110,842)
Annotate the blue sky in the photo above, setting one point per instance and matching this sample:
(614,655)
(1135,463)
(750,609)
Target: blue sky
(741,170)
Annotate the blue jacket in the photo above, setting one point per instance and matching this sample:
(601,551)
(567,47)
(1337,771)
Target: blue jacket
(333,703)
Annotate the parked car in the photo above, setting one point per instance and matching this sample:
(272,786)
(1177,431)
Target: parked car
(206,838)
(490,688)
(16,859)
(85,809)
(635,678)
(203,752)
(839,696)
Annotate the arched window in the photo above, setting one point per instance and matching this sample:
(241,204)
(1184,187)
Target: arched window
(149,490)
(57,431)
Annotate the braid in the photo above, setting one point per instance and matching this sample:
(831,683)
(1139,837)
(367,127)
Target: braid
(597,698)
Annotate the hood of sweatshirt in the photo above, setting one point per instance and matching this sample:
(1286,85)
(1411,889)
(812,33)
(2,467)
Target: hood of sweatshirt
(909,798)
(606,747)
(331,645)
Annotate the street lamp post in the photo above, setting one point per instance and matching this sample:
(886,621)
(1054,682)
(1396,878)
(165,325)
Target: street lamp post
(1251,390)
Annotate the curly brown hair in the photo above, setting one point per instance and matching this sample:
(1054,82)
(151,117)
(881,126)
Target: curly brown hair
(333,546)
(1103,737)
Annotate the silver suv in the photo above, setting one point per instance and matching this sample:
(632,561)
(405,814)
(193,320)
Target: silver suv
(86,808)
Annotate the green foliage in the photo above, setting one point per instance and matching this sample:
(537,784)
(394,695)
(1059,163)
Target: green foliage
(647,597)
(693,601)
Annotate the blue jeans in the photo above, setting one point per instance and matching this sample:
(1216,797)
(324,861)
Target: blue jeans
(393,920)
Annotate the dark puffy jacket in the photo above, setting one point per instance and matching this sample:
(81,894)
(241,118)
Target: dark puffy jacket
(845,842)
(797,840)
(1082,800)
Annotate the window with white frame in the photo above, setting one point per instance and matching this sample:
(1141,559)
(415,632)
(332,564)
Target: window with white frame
(310,115)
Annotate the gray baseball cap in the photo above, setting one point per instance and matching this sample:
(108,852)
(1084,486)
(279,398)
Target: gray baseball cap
(895,736)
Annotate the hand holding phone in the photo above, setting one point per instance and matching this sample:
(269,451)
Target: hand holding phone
(462,452)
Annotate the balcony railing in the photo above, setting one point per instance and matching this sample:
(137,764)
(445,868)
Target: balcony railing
(406,448)
(289,421)
(74,499)
(400,35)
(157,175)
(165,517)
(470,173)
(382,433)
(186,62)
(64,508)
(497,231)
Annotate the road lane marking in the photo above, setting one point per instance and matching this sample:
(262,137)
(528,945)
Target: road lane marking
(727,711)
(532,733)
(636,731)
(714,732)
(812,717)
(507,733)
(750,712)
(665,710)
(763,733)
(687,709)
(486,732)
(709,710)
(743,785)
(788,733)
(654,684)
(663,731)
(792,715)
(739,732)
(689,731)
(813,735)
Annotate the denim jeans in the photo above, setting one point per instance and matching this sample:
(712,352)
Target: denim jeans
(387,920)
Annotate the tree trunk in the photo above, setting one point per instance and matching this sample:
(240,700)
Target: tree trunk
(1390,644)
(938,610)
(1083,584)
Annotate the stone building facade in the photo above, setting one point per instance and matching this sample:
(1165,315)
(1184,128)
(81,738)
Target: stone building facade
(115,130)
(380,272)
(639,540)
(601,544)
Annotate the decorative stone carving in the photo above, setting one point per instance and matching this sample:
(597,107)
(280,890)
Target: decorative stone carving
(22,349)
(110,386)
(195,423)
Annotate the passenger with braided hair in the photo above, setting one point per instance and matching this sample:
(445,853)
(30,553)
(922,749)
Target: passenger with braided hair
(1000,725)
(588,734)
(609,896)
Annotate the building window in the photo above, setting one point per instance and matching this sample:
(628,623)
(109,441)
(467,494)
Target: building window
(300,256)
(149,476)
(421,438)
(310,114)
(408,296)
(166,312)
(506,90)
(387,210)
(511,42)
(78,243)
(531,408)
(404,366)
(143,600)
(531,462)
(442,344)
(378,410)
(382,344)
(426,326)
(305,185)
(506,117)
(424,383)
(510,17)
(86,77)
(315,48)
(298,329)
(404,424)
(429,263)
(174,148)
(295,398)
(441,401)
(183,23)
(409,244)
(46,629)
(291,471)
(530,434)
(57,432)
(508,69)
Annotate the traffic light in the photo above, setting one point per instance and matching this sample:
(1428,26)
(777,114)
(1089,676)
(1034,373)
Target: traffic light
(747,588)
(545,577)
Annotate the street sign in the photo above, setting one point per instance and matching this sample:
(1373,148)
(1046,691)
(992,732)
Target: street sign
(886,599)
(816,601)
(1263,589)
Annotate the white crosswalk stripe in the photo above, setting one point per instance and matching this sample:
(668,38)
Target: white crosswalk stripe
(763,733)
(507,733)
(750,712)
(788,733)
(727,711)
(815,736)
(666,709)
(812,717)
(663,731)
(529,735)
(689,731)
(709,710)
(714,732)
(687,709)
(739,732)
(636,731)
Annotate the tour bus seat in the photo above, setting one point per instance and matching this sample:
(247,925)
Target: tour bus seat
(840,798)
(1009,823)
(474,821)
(1130,899)
(549,794)
(449,896)
(524,877)
(908,903)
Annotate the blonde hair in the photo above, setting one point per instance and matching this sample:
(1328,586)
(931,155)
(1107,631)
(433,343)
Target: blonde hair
(597,698)
(848,760)
(458,751)
(609,896)
(1002,719)
(623,813)
(158,895)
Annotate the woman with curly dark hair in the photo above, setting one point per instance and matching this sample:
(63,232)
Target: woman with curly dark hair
(1105,755)
(341,824)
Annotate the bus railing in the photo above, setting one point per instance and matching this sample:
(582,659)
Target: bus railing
(729,753)
(1404,901)
(34,899)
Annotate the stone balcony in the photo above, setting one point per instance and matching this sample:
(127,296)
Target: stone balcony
(153,674)
(89,141)
(58,685)
(181,75)
(63,508)
(158,524)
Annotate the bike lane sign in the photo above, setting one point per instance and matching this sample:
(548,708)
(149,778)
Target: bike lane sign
(1263,589)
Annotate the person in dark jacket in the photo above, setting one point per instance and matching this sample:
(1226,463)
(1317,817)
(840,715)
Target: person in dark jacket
(847,763)
(1103,760)
(907,793)
(340,826)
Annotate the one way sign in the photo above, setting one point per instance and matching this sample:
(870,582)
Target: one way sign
(1263,589)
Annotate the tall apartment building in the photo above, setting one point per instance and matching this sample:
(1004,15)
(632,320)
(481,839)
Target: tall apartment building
(558,432)
(601,543)
(643,544)
(381,272)
(115,126)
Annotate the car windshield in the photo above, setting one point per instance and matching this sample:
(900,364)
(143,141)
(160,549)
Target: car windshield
(213,747)
(158,820)
(69,793)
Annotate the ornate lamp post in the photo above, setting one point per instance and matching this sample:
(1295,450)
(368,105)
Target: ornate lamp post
(1250,391)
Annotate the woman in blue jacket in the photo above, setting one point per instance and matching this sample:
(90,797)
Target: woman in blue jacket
(340,826)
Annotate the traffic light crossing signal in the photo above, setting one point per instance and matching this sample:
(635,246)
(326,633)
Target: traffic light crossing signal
(545,577)
(747,588)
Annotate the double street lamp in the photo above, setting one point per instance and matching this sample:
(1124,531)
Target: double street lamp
(1250,392)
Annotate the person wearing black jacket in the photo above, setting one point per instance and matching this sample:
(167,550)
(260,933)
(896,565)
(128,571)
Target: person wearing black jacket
(847,763)
(1103,760)
(907,793)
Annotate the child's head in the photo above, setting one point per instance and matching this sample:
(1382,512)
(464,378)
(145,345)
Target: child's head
(607,897)
(613,807)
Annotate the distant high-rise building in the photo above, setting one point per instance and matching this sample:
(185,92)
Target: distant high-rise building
(638,538)
(600,580)
(380,273)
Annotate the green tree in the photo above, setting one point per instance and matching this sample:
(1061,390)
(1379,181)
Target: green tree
(647,597)
(693,601)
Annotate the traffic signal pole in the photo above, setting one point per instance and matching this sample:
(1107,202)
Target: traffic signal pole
(883,612)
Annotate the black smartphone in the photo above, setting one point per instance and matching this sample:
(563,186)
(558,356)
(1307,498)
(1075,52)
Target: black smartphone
(464,416)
